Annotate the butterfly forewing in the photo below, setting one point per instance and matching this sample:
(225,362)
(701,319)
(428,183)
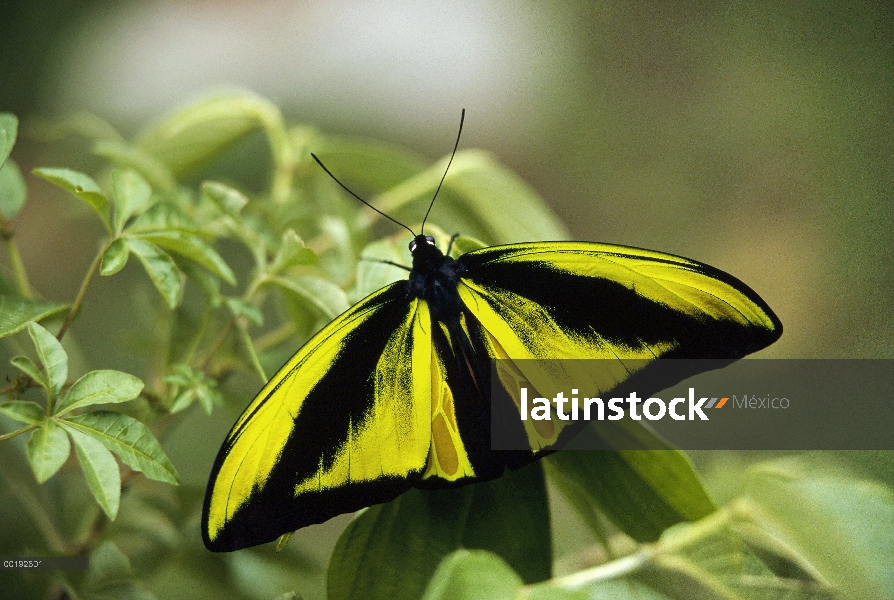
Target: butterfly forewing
(339,427)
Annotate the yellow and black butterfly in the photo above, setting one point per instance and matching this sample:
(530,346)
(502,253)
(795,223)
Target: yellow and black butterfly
(395,392)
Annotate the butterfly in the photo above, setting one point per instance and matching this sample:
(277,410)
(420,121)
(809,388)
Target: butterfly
(395,392)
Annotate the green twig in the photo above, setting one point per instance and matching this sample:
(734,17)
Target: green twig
(12,434)
(250,348)
(76,305)
(15,261)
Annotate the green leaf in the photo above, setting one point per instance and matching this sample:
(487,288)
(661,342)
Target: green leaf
(196,385)
(9,127)
(473,575)
(191,247)
(160,267)
(838,528)
(125,155)
(52,357)
(326,297)
(390,551)
(29,413)
(229,200)
(366,163)
(465,243)
(132,195)
(240,308)
(643,492)
(107,564)
(480,197)
(373,273)
(82,186)
(291,253)
(130,439)
(162,216)
(12,190)
(115,257)
(509,516)
(16,312)
(200,132)
(27,366)
(100,469)
(100,387)
(48,449)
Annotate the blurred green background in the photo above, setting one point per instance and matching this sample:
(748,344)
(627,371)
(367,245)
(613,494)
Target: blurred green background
(757,137)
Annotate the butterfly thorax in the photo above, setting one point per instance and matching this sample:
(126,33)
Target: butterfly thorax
(434,278)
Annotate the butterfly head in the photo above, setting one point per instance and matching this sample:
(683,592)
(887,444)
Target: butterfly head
(419,240)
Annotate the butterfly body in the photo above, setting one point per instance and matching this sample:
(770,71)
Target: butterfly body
(395,393)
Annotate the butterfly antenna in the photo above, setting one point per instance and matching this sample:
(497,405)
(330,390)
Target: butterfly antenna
(455,146)
(328,172)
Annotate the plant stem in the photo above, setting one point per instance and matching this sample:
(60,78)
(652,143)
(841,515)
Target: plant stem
(12,434)
(15,261)
(76,305)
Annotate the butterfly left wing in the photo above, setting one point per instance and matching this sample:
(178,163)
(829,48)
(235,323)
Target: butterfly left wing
(577,300)
(343,425)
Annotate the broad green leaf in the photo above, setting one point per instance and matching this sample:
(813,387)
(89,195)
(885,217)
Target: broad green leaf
(198,133)
(12,190)
(160,267)
(100,387)
(132,194)
(16,312)
(108,566)
(52,357)
(837,527)
(29,413)
(130,439)
(473,575)
(205,280)
(291,253)
(614,589)
(322,294)
(509,516)
(48,449)
(480,197)
(465,243)
(390,551)
(229,200)
(241,308)
(642,491)
(100,469)
(9,127)
(115,257)
(192,247)
(373,273)
(27,366)
(82,186)
(123,154)
(367,164)
(163,215)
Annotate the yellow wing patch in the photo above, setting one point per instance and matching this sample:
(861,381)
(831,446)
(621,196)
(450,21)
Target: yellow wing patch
(447,457)
(671,280)
(521,330)
(394,439)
